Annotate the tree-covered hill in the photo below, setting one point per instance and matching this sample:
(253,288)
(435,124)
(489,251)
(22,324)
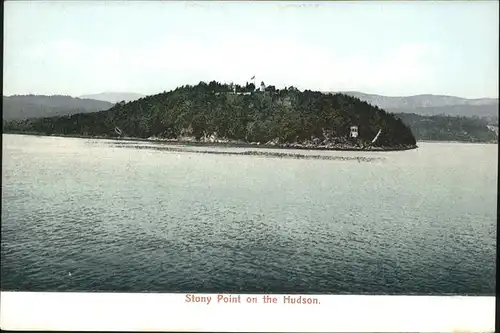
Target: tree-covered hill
(237,113)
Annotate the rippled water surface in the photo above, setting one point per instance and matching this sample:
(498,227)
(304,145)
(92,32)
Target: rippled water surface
(81,215)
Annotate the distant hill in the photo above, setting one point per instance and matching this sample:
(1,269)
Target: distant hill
(430,105)
(419,101)
(114,97)
(18,107)
(448,128)
(487,112)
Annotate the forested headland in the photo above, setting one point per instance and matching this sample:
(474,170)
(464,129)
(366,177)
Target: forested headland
(215,112)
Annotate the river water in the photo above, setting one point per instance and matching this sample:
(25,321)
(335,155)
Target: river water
(104,215)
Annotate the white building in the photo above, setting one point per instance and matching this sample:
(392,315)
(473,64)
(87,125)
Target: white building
(354,131)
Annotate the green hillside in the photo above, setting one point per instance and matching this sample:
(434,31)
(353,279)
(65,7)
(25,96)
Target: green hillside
(236,113)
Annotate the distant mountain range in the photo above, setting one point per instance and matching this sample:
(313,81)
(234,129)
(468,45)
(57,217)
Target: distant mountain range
(431,105)
(114,97)
(419,101)
(18,107)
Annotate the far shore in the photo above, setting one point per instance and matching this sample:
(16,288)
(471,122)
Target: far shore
(455,141)
(230,144)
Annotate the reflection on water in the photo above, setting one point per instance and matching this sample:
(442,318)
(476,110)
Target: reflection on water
(263,152)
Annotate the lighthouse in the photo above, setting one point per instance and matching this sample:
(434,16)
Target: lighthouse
(354,132)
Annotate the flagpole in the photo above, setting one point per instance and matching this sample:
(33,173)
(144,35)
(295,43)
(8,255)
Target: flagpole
(253,78)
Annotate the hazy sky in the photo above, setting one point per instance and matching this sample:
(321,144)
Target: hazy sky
(389,48)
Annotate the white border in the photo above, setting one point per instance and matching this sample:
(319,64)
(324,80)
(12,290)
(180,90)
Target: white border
(167,312)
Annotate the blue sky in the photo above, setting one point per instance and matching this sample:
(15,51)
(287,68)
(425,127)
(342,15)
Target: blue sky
(388,48)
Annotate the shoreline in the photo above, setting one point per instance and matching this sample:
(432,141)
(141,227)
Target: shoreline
(230,144)
(464,142)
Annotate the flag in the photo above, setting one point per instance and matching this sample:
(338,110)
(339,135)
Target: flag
(253,77)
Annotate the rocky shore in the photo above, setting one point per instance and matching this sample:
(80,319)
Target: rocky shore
(340,145)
